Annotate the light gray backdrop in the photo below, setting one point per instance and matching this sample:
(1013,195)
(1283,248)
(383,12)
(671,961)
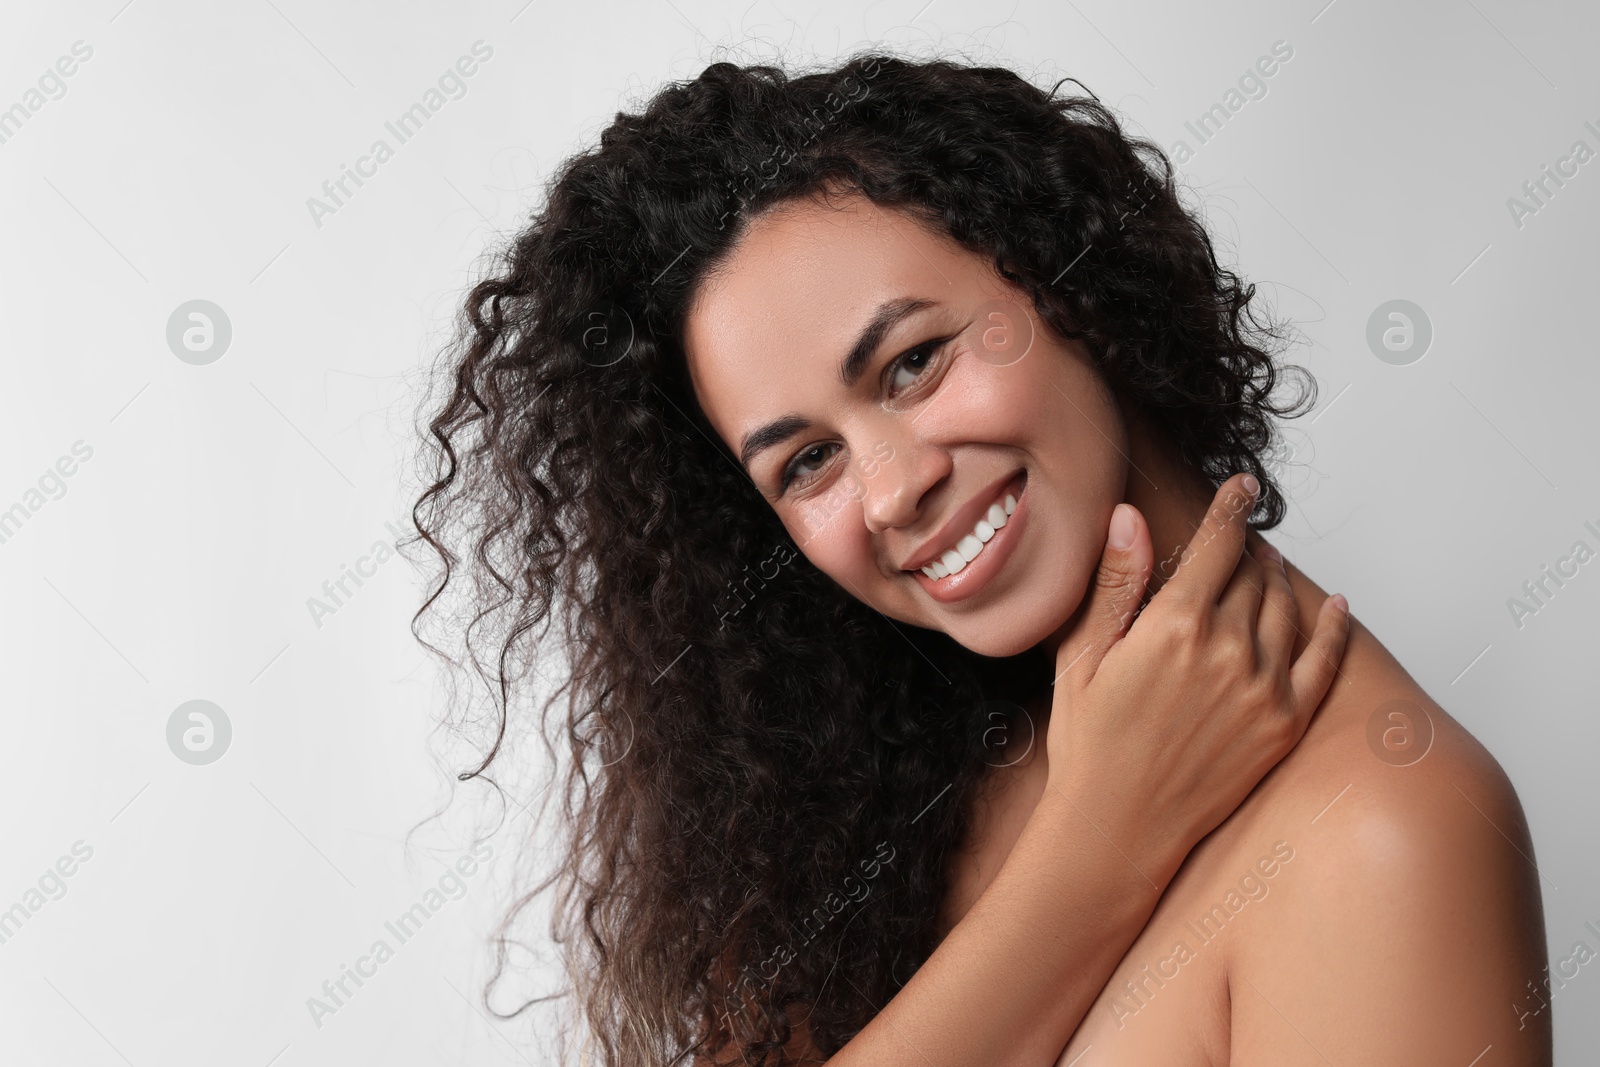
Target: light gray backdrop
(178,489)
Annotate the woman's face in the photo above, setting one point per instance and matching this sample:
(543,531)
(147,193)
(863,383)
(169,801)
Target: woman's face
(887,391)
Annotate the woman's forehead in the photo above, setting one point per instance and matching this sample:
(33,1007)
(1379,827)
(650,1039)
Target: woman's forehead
(798,288)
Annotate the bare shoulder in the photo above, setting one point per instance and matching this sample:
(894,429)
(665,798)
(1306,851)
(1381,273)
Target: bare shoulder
(1409,923)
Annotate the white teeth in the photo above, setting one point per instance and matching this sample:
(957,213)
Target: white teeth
(955,559)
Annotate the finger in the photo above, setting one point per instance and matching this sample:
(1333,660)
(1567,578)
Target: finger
(1208,561)
(1318,665)
(1112,598)
(1241,598)
(1278,624)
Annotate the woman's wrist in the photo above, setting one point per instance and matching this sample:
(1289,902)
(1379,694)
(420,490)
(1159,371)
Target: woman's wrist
(1152,848)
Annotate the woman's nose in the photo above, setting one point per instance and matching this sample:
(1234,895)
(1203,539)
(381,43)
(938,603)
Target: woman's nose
(896,475)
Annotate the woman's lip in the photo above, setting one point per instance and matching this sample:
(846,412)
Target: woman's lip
(961,523)
(996,551)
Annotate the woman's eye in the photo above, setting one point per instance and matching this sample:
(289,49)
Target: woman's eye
(907,370)
(805,465)
(912,366)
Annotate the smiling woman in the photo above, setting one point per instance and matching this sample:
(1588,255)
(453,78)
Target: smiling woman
(963,348)
(917,375)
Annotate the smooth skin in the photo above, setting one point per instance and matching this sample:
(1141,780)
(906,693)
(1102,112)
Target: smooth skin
(1401,919)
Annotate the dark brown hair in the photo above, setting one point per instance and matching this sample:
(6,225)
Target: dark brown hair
(767,776)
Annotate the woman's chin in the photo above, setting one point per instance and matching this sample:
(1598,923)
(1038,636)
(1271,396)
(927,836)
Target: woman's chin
(1008,627)
(1012,638)
(1020,624)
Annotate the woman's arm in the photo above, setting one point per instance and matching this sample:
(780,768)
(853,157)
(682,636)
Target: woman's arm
(1016,975)
(1158,731)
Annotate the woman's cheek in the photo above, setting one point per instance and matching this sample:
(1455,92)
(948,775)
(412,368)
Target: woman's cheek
(1081,549)
(829,529)
(976,388)
(982,403)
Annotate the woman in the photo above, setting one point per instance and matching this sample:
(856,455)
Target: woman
(847,423)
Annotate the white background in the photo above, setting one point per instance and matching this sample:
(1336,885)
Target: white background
(178,563)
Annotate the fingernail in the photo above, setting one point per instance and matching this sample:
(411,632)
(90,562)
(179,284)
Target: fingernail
(1251,486)
(1340,603)
(1272,553)
(1121,535)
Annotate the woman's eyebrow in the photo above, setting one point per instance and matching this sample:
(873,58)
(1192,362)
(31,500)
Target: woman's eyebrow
(773,433)
(889,314)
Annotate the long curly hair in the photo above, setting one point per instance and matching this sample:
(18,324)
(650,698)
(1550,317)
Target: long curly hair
(765,777)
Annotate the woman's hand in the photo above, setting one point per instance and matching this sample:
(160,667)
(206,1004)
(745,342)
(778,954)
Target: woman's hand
(1161,727)
(1158,730)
